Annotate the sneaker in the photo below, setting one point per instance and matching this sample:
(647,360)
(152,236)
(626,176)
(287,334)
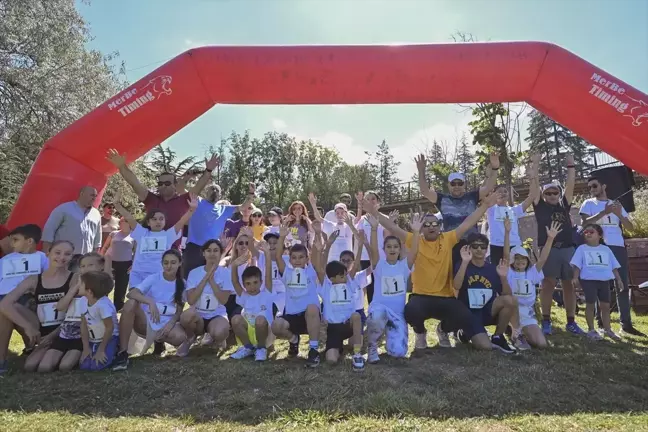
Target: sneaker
(358,362)
(121,361)
(612,335)
(242,352)
(461,337)
(594,335)
(207,339)
(632,331)
(521,344)
(372,354)
(420,341)
(261,354)
(546,328)
(499,342)
(313,359)
(572,327)
(4,366)
(444,339)
(159,348)
(183,349)
(293,348)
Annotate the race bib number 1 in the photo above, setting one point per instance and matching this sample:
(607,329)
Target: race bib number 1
(596,259)
(340,294)
(608,220)
(166,309)
(96,331)
(48,315)
(523,287)
(207,303)
(74,310)
(478,297)
(153,245)
(297,279)
(392,286)
(21,266)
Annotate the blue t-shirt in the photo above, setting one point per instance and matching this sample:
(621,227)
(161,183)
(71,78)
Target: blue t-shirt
(480,286)
(456,210)
(208,221)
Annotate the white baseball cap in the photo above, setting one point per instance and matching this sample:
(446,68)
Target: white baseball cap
(519,250)
(551,186)
(456,176)
(340,205)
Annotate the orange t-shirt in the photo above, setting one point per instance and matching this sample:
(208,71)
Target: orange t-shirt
(432,273)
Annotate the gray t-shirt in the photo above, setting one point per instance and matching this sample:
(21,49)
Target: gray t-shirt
(80,226)
(456,210)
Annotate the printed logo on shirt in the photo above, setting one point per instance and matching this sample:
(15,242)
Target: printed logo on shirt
(596,259)
(502,213)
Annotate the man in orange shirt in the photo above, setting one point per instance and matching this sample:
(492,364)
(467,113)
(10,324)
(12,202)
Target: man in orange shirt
(433,294)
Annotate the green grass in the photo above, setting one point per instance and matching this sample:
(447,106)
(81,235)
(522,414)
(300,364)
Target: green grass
(573,386)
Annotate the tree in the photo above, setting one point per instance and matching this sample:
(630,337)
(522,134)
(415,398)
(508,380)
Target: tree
(465,157)
(48,79)
(383,167)
(163,159)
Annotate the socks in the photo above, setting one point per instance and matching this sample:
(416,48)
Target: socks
(357,349)
(313,344)
(570,320)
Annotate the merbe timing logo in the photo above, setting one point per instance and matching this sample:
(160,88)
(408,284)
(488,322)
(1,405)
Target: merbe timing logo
(607,91)
(156,87)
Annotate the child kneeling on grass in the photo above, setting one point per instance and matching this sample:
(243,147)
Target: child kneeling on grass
(252,326)
(99,329)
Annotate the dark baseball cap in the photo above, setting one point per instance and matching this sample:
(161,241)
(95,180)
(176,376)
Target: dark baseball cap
(277,210)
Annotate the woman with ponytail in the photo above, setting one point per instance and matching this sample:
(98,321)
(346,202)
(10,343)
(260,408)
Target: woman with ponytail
(153,309)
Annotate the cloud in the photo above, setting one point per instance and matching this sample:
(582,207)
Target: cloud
(278,124)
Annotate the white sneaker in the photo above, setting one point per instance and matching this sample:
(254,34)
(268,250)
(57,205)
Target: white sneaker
(420,341)
(594,335)
(612,335)
(444,339)
(372,354)
(261,354)
(242,352)
(183,349)
(207,339)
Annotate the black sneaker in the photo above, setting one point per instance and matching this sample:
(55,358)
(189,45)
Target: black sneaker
(293,348)
(121,361)
(159,348)
(499,342)
(313,359)
(461,337)
(632,331)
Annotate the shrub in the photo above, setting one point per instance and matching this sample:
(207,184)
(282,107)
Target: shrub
(640,215)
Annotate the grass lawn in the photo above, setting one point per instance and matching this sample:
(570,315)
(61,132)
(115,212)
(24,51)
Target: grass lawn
(575,385)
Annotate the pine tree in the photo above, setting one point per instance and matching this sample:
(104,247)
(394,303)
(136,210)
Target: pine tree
(465,157)
(384,167)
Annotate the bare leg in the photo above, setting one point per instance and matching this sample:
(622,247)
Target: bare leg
(481,342)
(176,336)
(6,329)
(50,361)
(605,314)
(546,296)
(34,359)
(313,322)
(126,322)
(240,328)
(70,360)
(356,339)
(192,323)
(589,315)
(219,328)
(534,336)
(504,307)
(569,297)
(280,328)
(261,329)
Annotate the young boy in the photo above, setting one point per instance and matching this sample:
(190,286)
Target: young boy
(302,311)
(278,288)
(15,267)
(252,326)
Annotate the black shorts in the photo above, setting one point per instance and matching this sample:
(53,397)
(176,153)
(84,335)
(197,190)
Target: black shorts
(596,290)
(296,323)
(65,345)
(336,334)
(232,307)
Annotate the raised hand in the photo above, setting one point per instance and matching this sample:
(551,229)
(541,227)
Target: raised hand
(251,189)
(348,219)
(212,163)
(393,215)
(192,201)
(494,160)
(570,159)
(421,163)
(359,196)
(502,268)
(554,230)
(491,199)
(360,235)
(264,246)
(507,224)
(466,253)
(284,230)
(334,235)
(312,199)
(239,261)
(417,222)
(617,209)
(115,158)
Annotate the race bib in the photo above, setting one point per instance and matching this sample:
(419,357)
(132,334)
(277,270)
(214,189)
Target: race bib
(596,259)
(166,309)
(275,272)
(207,303)
(48,315)
(608,220)
(501,213)
(478,297)
(298,281)
(150,245)
(74,310)
(96,331)
(522,287)
(21,266)
(392,286)
(340,294)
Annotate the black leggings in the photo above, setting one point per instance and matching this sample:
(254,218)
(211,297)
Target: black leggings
(120,272)
(370,288)
(453,314)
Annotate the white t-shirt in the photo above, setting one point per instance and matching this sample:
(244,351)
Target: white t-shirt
(364,225)
(150,248)
(208,305)
(595,262)
(523,284)
(277,284)
(496,215)
(15,267)
(338,301)
(361,280)
(162,291)
(301,288)
(390,286)
(611,224)
(344,242)
(95,314)
(256,305)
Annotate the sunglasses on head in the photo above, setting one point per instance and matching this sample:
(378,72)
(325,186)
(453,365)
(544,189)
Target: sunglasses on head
(456,183)
(551,193)
(430,224)
(242,243)
(478,246)
(165,183)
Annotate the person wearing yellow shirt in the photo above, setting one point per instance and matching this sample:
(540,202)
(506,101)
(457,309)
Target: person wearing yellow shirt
(257,225)
(433,294)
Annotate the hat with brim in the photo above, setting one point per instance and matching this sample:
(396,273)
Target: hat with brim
(456,176)
(519,250)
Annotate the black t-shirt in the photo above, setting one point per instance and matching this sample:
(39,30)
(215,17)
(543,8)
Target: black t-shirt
(481,285)
(545,214)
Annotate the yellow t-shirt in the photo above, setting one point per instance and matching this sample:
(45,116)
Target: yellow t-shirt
(258,231)
(432,273)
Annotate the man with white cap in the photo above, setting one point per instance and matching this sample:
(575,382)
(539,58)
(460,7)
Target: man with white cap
(552,206)
(345,199)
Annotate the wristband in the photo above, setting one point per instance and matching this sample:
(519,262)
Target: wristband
(495,168)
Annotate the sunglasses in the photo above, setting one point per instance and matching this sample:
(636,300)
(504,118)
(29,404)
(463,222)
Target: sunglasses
(456,183)
(256,215)
(478,246)
(165,183)
(430,224)
(242,243)
(551,193)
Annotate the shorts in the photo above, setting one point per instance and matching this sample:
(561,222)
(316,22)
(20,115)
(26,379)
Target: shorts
(482,318)
(527,316)
(65,345)
(336,334)
(363,318)
(251,332)
(497,253)
(596,290)
(558,264)
(135,279)
(206,322)
(232,307)
(90,364)
(296,323)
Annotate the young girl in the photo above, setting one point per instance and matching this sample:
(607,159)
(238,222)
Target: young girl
(152,239)
(48,288)
(387,309)
(99,329)
(252,326)
(299,225)
(119,247)
(153,309)
(256,224)
(274,221)
(208,290)
(523,279)
(594,267)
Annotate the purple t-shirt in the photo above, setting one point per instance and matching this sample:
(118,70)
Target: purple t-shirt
(233,227)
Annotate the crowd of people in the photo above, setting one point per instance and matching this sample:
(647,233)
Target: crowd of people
(197,269)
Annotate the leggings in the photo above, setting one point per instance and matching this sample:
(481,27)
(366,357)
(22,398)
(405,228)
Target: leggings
(370,288)
(120,272)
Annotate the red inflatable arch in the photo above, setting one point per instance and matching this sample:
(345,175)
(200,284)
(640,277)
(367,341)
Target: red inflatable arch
(599,107)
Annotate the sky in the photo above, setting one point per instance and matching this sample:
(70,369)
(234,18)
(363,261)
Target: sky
(611,34)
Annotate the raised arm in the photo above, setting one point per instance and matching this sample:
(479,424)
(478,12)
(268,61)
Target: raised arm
(534,187)
(184,220)
(502,271)
(466,256)
(387,223)
(552,232)
(316,260)
(416,224)
(328,244)
(421,166)
(205,178)
(374,253)
(249,199)
(63,304)
(279,250)
(571,179)
(265,247)
(235,276)
(506,254)
(359,197)
(122,211)
(312,199)
(120,162)
(472,220)
(361,238)
(491,180)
